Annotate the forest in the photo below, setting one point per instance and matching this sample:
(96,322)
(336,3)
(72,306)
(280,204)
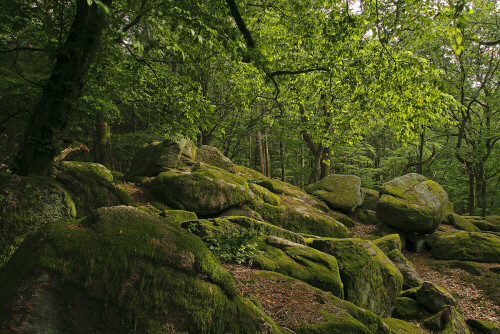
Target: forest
(250,166)
(295,89)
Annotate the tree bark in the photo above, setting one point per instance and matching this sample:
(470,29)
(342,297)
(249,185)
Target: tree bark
(102,149)
(261,152)
(49,118)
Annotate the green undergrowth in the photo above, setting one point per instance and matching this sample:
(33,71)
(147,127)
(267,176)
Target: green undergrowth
(149,268)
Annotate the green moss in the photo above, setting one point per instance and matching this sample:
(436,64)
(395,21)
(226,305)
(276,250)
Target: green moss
(297,216)
(146,266)
(461,223)
(265,195)
(179,216)
(400,185)
(367,217)
(370,279)
(344,219)
(388,243)
(26,204)
(433,297)
(484,326)
(371,199)
(406,268)
(447,321)
(90,191)
(407,309)
(306,264)
(465,246)
(399,327)
(410,293)
(333,325)
(92,167)
(340,192)
(206,191)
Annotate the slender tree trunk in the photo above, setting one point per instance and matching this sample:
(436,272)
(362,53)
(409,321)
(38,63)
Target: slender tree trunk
(102,149)
(261,152)
(472,194)
(325,167)
(282,160)
(250,152)
(267,155)
(49,118)
(420,157)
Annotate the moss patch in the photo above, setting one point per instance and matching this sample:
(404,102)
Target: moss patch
(402,327)
(407,309)
(370,279)
(388,243)
(448,321)
(295,215)
(264,194)
(461,223)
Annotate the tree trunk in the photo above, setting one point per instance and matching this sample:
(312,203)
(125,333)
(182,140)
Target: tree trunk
(472,194)
(267,155)
(420,157)
(282,158)
(102,149)
(49,118)
(325,167)
(261,152)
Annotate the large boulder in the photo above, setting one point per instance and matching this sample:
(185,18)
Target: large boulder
(412,203)
(296,215)
(370,279)
(465,246)
(340,192)
(212,156)
(205,190)
(121,270)
(90,186)
(26,204)
(160,156)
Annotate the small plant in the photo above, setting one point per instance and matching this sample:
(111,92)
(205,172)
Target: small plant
(233,246)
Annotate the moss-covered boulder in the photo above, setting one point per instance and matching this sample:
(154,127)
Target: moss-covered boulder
(93,167)
(433,297)
(465,246)
(160,156)
(212,156)
(300,262)
(206,190)
(461,223)
(401,326)
(125,270)
(488,223)
(407,309)
(178,216)
(26,204)
(296,215)
(388,243)
(90,188)
(484,326)
(370,279)
(447,321)
(412,203)
(411,278)
(344,219)
(340,192)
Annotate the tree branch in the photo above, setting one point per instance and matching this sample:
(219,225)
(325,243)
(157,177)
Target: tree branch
(235,13)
